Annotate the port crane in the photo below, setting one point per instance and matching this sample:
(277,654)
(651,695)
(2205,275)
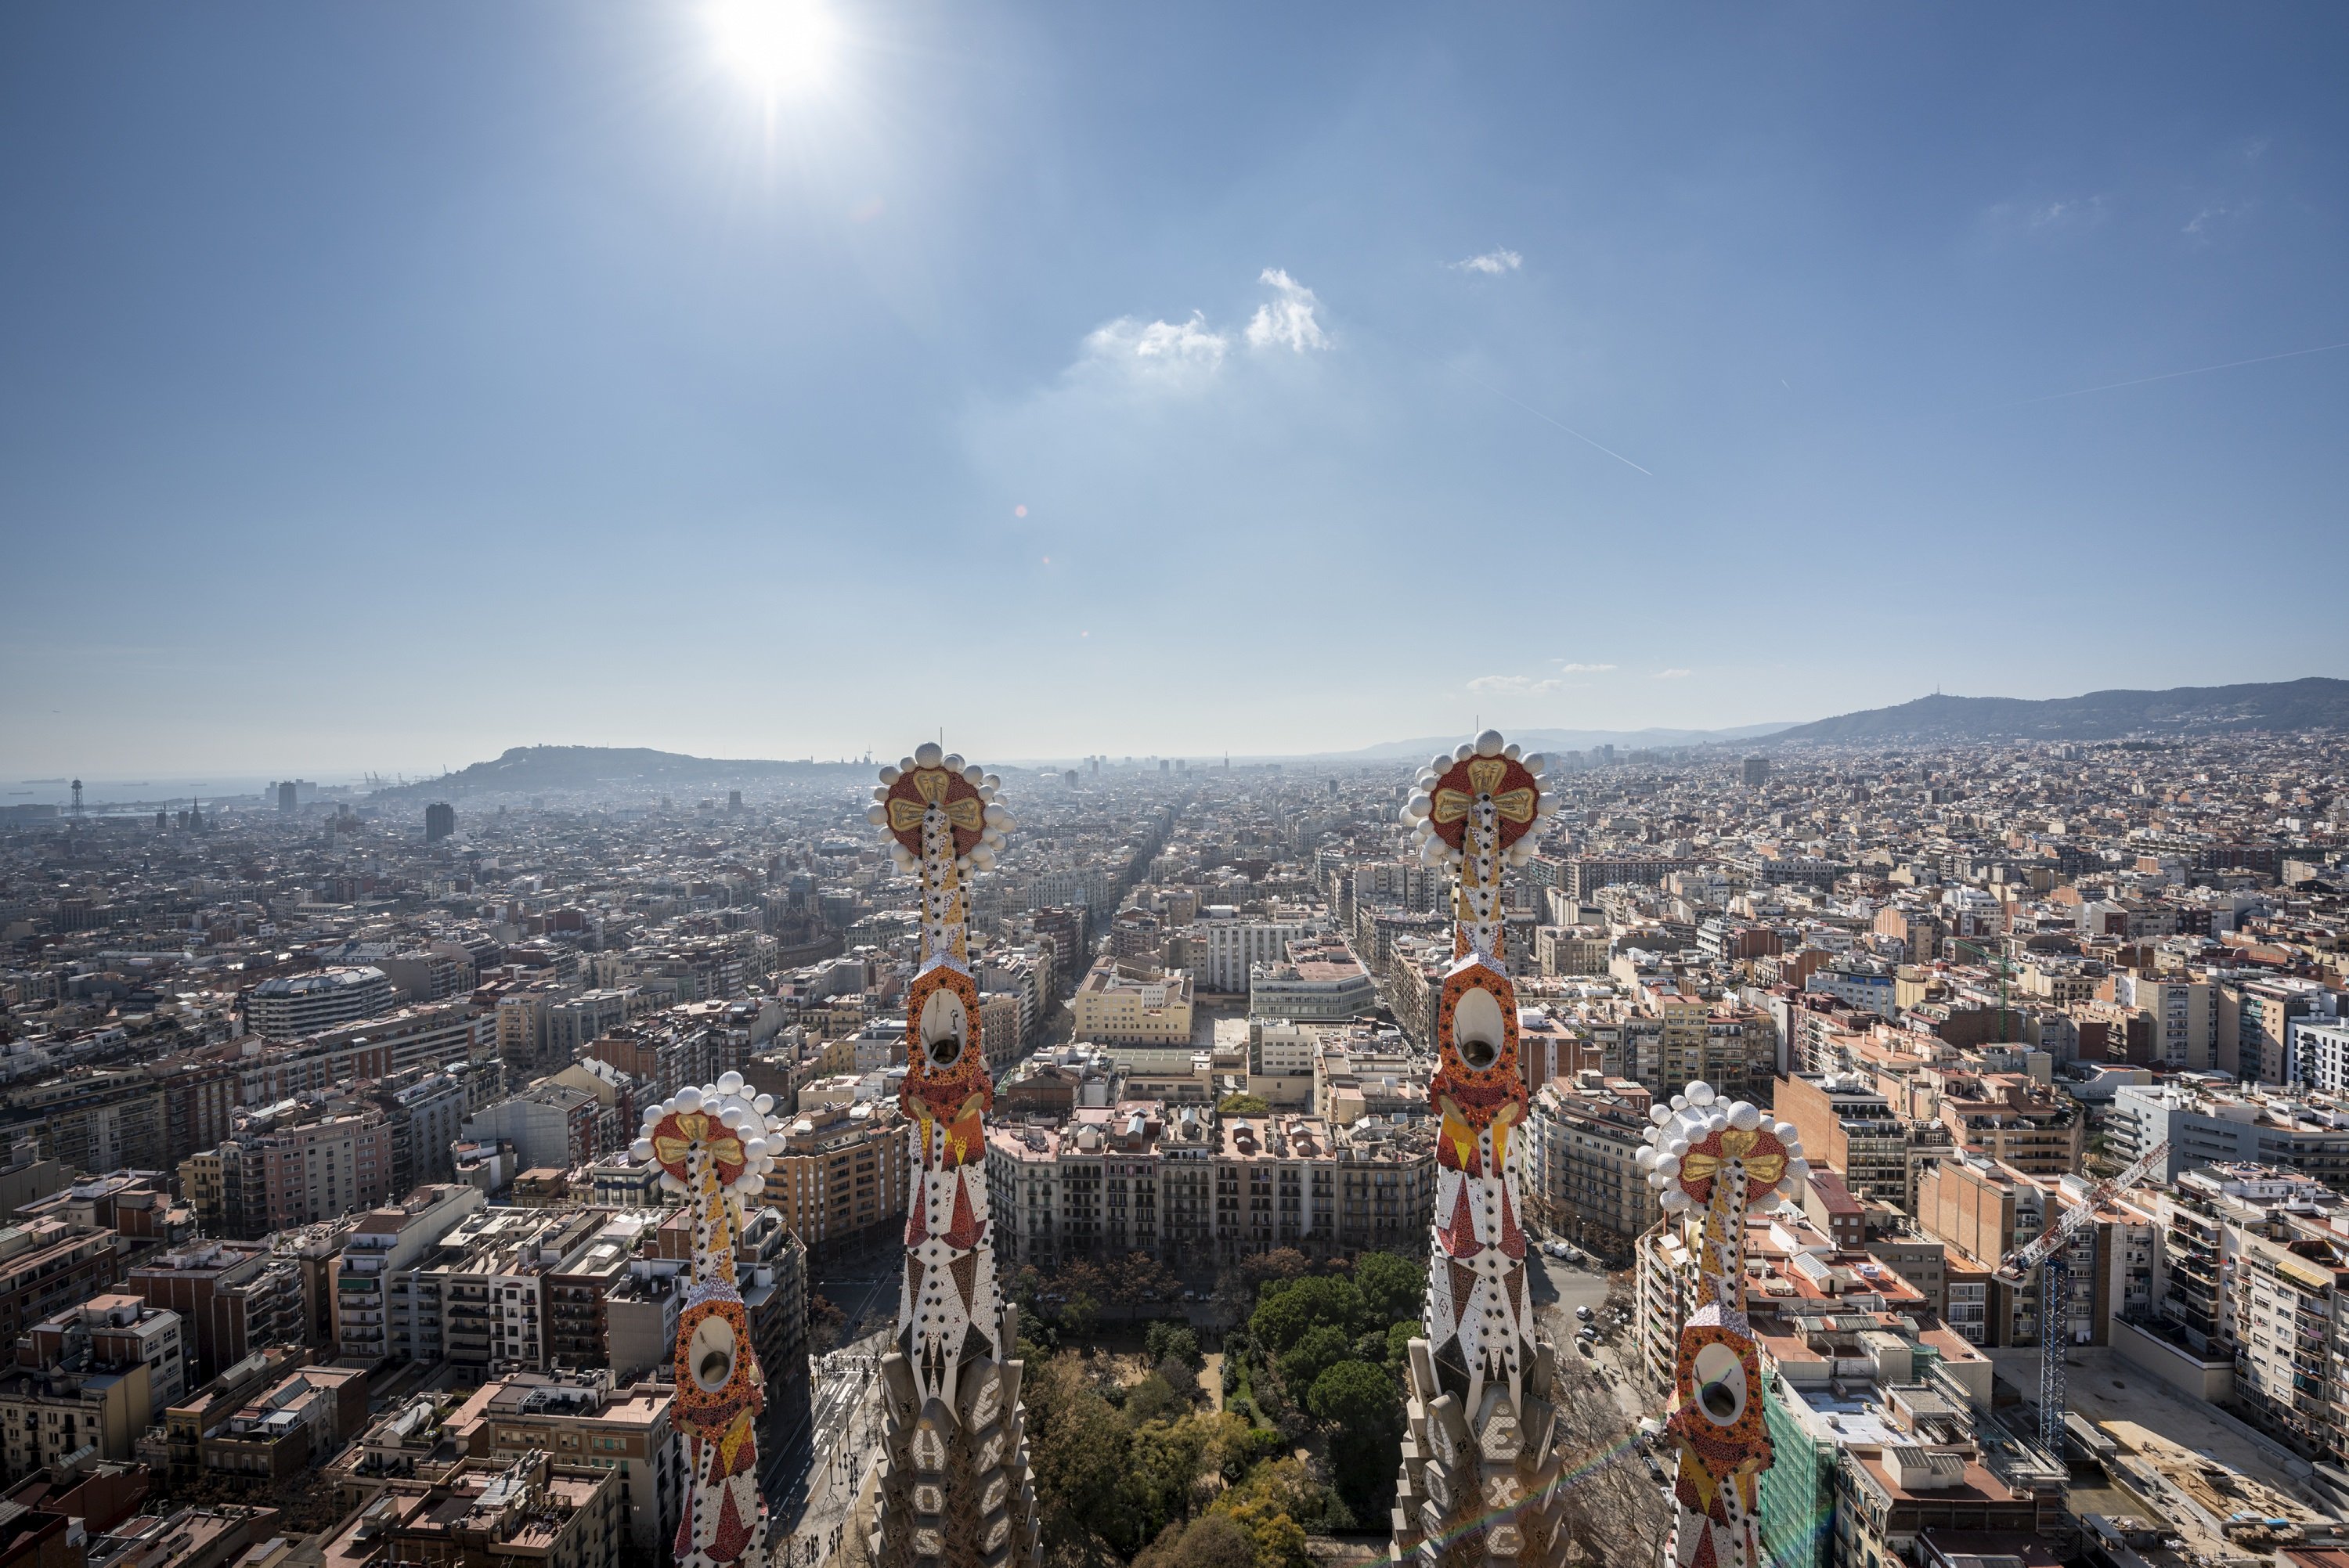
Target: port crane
(2049,1252)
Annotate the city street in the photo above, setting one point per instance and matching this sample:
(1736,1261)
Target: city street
(1558,1288)
(860,1276)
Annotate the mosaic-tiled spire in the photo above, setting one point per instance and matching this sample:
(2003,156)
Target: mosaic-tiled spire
(1479,1479)
(955,1488)
(1710,1160)
(710,1144)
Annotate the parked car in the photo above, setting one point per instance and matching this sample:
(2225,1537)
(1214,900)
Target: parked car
(1584,1313)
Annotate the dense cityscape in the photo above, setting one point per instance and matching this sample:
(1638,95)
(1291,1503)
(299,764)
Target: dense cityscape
(334,1235)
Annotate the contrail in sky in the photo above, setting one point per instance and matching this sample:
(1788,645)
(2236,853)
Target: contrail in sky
(2174,375)
(1569,429)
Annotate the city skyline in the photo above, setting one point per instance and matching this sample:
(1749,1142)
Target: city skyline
(354,356)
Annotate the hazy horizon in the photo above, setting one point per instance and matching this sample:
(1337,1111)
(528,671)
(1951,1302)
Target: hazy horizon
(387,387)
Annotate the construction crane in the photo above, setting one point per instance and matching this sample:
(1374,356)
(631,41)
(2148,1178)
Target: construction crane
(2049,1252)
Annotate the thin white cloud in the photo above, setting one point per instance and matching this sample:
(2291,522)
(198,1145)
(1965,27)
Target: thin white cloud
(2073,211)
(1287,320)
(1189,353)
(1492,264)
(1514,686)
(1159,350)
(1583,669)
(1671,675)
(2201,221)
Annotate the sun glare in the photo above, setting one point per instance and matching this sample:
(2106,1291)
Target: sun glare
(779,44)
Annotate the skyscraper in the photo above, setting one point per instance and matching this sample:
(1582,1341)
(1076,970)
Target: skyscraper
(440,820)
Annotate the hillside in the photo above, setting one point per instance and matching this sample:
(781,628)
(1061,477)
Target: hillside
(2315,703)
(526,769)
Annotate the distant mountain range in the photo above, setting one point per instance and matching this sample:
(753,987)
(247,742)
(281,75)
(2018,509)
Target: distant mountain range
(2317,702)
(523,769)
(1561,741)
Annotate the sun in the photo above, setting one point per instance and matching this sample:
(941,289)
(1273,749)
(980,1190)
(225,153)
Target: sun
(778,44)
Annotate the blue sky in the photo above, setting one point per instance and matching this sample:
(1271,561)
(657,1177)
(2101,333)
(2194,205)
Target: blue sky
(384,386)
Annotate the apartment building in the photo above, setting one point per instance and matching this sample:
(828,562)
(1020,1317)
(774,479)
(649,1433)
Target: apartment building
(47,1263)
(292,1168)
(288,1005)
(289,1427)
(1795,1273)
(2214,1121)
(841,1171)
(575,1021)
(1982,1209)
(96,1120)
(2182,1015)
(552,1126)
(1226,947)
(2253,1265)
(1193,1187)
(484,1288)
(583,1419)
(114,1329)
(1582,1139)
(1280,1056)
(1560,951)
(2014,1119)
(234,1297)
(1848,1127)
(531,1513)
(385,1243)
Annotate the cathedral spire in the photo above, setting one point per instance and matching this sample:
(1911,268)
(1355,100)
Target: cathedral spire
(1480,1479)
(954,1491)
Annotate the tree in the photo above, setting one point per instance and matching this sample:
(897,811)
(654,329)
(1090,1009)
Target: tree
(1392,1287)
(1229,1444)
(1165,1337)
(1148,1399)
(1216,1541)
(825,1322)
(1078,1449)
(1317,1350)
(1363,1410)
(1268,1505)
(1137,1278)
(1398,1356)
(1078,1314)
(1167,1460)
(1612,1509)
(1280,1263)
(1180,1376)
(1288,1310)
